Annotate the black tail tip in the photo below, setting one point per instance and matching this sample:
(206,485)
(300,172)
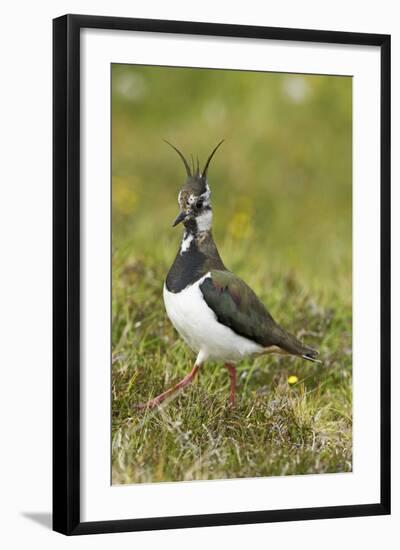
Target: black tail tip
(311,355)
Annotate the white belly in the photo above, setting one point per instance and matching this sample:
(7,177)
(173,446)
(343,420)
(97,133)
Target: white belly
(198,326)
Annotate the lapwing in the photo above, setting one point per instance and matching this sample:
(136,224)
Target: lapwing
(215,312)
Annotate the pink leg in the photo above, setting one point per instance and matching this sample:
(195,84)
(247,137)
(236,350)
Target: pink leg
(232,376)
(160,398)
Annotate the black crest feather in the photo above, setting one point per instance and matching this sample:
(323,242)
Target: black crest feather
(204,173)
(185,162)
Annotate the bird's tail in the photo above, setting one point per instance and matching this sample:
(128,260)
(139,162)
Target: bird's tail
(312,355)
(293,346)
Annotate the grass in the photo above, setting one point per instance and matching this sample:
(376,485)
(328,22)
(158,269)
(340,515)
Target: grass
(282,221)
(275,428)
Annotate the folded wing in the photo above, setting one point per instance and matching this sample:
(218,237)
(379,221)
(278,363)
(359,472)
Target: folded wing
(238,307)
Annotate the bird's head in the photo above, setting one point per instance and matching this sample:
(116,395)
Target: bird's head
(194,198)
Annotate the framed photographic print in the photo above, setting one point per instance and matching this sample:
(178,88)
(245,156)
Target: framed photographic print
(221,274)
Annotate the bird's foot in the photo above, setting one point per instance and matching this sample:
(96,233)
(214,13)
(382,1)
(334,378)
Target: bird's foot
(232,375)
(156,401)
(151,404)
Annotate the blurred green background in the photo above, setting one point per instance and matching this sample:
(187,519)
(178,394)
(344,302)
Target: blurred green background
(281,193)
(281,183)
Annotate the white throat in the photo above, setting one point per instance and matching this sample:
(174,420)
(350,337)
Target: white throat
(204,221)
(185,244)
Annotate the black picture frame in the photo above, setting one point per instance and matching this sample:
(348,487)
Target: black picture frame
(66,273)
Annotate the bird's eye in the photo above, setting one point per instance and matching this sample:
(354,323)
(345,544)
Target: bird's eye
(199,204)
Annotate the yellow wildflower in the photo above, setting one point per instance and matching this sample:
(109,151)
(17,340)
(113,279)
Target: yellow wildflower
(124,198)
(240,225)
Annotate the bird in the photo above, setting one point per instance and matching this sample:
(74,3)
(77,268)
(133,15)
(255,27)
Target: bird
(215,312)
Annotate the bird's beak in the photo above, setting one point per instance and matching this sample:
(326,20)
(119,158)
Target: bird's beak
(180,217)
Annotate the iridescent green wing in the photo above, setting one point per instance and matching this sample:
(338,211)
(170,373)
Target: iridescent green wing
(237,306)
